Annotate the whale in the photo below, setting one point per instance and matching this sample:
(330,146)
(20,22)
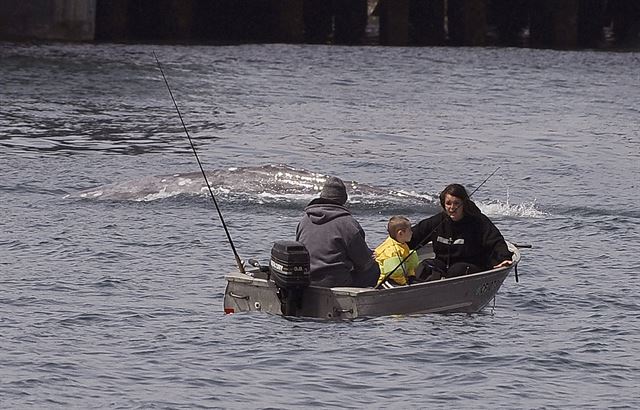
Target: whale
(281,185)
(271,181)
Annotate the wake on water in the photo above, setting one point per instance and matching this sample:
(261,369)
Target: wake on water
(277,185)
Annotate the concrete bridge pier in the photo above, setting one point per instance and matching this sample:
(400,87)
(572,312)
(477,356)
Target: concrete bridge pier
(230,21)
(467,22)
(591,22)
(426,22)
(122,20)
(554,24)
(350,21)
(289,21)
(67,20)
(625,16)
(412,22)
(112,20)
(200,20)
(318,24)
(509,19)
(161,19)
(394,22)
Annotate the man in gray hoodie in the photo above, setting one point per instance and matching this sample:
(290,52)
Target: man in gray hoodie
(338,252)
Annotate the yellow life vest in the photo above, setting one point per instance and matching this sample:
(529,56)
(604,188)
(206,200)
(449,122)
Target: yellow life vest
(389,254)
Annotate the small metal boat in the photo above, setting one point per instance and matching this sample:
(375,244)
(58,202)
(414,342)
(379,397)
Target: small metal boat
(257,291)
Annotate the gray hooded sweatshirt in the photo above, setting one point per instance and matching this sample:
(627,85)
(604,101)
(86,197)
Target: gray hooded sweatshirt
(336,244)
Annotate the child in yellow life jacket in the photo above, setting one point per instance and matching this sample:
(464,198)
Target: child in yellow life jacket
(394,250)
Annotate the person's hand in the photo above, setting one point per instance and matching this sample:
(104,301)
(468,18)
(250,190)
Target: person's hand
(504,263)
(374,255)
(411,280)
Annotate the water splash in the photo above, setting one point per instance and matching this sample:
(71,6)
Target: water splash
(499,208)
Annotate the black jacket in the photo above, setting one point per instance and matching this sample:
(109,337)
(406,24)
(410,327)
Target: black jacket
(473,239)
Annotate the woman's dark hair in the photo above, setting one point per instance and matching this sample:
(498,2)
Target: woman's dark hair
(457,190)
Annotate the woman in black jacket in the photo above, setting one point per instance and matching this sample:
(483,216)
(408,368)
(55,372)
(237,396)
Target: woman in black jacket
(464,239)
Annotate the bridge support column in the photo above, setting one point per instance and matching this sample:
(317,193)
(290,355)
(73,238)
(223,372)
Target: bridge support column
(626,22)
(426,22)
(289,21)
(350,21)
(554,23)
(590,23)
(467,22)
(394,22)
(509,17)
(118,20)
(112,20)
(70,20)
(174,19)
(179,26)
(317,16)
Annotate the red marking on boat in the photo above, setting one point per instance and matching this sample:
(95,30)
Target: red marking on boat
(228,311)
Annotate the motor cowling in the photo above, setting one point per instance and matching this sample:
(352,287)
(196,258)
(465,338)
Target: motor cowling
(289,267)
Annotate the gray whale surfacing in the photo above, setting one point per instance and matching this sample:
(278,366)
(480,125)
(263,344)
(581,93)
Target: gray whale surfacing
(255,181)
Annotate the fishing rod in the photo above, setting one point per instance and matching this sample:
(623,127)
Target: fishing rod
(204,175)
(483,182)
(422,242)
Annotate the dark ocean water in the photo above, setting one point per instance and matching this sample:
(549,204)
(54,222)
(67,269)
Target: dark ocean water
(112,259)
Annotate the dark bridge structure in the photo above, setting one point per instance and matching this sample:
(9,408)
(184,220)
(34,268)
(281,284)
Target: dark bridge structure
(561,24)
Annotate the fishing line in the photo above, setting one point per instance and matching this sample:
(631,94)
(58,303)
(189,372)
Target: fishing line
(422,243)
(204,175)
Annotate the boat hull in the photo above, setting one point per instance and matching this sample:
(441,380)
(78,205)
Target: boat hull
(469,294)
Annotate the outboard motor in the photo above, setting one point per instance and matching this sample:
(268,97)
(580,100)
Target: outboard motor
(289,267)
